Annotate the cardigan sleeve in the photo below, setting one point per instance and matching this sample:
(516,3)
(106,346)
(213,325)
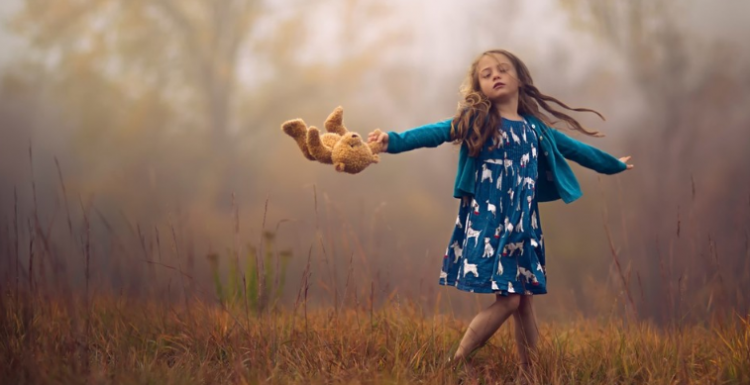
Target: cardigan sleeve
(429,135)
(586,155)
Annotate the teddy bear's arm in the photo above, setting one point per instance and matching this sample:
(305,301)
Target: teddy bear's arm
(316,146)
(376,147)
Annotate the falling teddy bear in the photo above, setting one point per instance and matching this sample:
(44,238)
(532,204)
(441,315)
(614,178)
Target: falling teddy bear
(347,151)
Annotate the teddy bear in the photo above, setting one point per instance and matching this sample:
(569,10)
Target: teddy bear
(346,150)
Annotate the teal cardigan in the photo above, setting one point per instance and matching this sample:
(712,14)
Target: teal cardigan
(556,179)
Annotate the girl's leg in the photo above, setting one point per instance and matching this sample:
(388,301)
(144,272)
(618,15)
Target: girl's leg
(486,323)
(527,333)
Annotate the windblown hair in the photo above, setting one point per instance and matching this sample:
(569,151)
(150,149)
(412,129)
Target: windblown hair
(476,119)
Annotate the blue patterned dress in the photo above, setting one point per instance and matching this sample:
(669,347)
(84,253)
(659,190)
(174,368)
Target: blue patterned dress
(497,244)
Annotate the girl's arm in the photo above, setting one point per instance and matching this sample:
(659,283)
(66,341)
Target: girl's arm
(429,135)
(586,155)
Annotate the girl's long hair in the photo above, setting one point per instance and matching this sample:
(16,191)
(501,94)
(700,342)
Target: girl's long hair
(476,119)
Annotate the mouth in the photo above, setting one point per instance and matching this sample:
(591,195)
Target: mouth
(498,85)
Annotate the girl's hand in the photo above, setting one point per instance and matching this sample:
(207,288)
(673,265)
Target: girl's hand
(625,159)
(380,137)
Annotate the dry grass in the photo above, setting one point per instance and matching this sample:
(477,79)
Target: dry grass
(117,340)
(71,327)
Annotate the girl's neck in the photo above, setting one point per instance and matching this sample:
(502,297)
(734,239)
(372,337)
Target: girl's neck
(508,108)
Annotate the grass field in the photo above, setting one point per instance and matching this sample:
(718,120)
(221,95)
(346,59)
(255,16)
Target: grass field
(115,340)
(83,325)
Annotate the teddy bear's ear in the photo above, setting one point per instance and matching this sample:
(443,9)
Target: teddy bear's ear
(376,159)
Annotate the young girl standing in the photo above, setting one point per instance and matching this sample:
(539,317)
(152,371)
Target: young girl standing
(510,159)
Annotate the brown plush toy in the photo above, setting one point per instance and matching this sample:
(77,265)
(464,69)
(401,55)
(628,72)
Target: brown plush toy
(347,151)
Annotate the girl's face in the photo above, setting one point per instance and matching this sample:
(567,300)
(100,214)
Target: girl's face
(497,76)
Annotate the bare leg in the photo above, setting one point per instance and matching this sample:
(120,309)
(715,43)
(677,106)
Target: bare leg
(527,333)
(486,323)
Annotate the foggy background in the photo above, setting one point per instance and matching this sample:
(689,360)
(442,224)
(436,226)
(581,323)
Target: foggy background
(164,117)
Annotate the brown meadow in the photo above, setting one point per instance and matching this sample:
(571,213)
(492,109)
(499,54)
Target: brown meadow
(241,332)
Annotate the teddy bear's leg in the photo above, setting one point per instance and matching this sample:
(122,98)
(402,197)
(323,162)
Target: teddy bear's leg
(297,129)
(318,150)
(335,122)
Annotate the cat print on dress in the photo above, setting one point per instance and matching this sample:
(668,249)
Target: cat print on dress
(486,173)
(511,249)
(516,139)
(471,233)
(519,226)
(525,160)
(503,213)
(489,251)
(470,268)
(491,208)
(457,251)
(507,163)
(530,277)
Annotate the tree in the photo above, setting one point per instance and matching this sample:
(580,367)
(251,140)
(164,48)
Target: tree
(689,94)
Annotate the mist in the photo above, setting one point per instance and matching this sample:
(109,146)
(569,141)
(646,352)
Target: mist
(145,138)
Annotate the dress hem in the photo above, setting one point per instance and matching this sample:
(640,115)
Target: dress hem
(486,290)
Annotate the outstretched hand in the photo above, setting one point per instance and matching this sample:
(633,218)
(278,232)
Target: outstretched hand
(625,159)
(380,137)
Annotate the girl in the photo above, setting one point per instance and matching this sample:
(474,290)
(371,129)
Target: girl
(510,159)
